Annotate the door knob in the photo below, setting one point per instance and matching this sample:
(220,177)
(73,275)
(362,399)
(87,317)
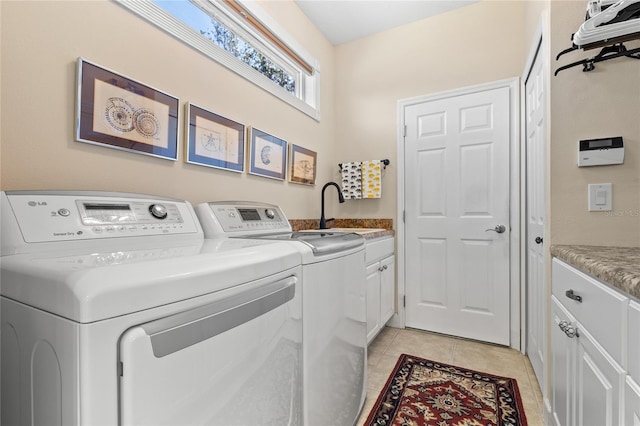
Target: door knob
(499,229)
(538,240)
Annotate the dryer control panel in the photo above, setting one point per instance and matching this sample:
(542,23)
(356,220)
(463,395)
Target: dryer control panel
(229,218)
(50,216)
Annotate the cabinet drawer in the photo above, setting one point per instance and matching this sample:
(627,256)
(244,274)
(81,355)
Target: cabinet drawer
(602,311)
(378,248)
(634,340)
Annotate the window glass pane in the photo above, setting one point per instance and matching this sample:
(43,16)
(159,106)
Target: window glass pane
(212,29)
(249,46)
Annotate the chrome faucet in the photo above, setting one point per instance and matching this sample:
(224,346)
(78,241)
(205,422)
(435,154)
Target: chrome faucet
(323,221)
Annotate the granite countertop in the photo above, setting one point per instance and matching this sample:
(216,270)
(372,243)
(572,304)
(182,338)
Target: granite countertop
(386,224)
(372,235)
(616,266)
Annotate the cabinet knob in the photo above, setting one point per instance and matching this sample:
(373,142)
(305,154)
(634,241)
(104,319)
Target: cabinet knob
(571,332)
(568,329)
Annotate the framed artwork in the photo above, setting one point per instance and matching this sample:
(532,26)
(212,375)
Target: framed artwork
(213,140)
(117,112)
(267,155)
(302,167)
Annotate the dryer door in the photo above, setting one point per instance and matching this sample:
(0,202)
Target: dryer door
(236,361)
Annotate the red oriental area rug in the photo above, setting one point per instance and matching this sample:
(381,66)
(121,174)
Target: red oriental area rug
(422,392)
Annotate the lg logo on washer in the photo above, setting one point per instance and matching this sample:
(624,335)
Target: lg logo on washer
(37,203)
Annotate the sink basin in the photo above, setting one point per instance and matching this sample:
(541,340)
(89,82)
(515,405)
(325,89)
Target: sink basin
(361,231)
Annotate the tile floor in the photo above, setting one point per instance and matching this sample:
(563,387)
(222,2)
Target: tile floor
(501,361)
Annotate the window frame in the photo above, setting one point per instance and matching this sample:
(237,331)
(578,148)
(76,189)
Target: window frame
(308,84)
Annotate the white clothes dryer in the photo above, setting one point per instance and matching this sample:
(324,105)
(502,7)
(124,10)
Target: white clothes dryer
(333,304)
(115,310)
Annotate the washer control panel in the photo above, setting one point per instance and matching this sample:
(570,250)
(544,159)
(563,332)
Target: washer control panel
(97,213)
(241,218)
(47,216)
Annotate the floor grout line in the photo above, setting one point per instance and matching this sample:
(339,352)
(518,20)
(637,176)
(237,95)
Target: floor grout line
(453,351)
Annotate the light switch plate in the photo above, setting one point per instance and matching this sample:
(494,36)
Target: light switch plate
(600,197)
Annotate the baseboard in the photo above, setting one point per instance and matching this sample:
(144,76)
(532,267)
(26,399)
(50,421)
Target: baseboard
(395,321)
(548,418)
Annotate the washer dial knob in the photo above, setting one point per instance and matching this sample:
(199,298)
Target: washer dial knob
(158,211)
(270,213)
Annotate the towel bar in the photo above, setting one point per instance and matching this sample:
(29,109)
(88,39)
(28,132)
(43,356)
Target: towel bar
(385,163)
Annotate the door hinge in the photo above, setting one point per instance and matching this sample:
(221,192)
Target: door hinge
(404,216)
(404,301)
(404,132)
(120,368)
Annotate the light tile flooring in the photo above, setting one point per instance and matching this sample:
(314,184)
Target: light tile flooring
(501,361)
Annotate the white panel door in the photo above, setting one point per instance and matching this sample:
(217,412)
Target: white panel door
(457,215)
(535,211)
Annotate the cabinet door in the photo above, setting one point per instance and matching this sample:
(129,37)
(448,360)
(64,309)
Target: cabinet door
(562,355)
(599,381)
(387,290)
(632,403)
(633,340)
(373,300)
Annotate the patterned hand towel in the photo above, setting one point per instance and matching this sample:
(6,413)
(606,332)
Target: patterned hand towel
(371,179)
(352,180)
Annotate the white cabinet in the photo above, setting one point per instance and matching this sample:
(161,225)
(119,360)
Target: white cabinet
(599,383)
(387,289)
(632,387)
(562,365)
(380,284)
(587,346)
(632,403)
(633,341)
(373,301)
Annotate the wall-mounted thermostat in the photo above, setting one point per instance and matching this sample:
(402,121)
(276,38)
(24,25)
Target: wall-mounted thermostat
(600,152)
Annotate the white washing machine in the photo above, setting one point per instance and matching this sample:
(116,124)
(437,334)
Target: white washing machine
(333,300)
(115,310)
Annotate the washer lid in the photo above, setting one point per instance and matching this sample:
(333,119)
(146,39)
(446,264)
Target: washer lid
(93,286)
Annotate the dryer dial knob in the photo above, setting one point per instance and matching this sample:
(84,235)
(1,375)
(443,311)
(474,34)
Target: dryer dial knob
(270,213)
(158,211)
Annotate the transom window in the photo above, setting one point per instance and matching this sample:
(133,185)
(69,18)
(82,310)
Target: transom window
(244,39)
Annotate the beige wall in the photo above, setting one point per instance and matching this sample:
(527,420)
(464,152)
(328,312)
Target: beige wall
(41,42)
(533,12)
(460,48)
(601,103)
(360,86)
